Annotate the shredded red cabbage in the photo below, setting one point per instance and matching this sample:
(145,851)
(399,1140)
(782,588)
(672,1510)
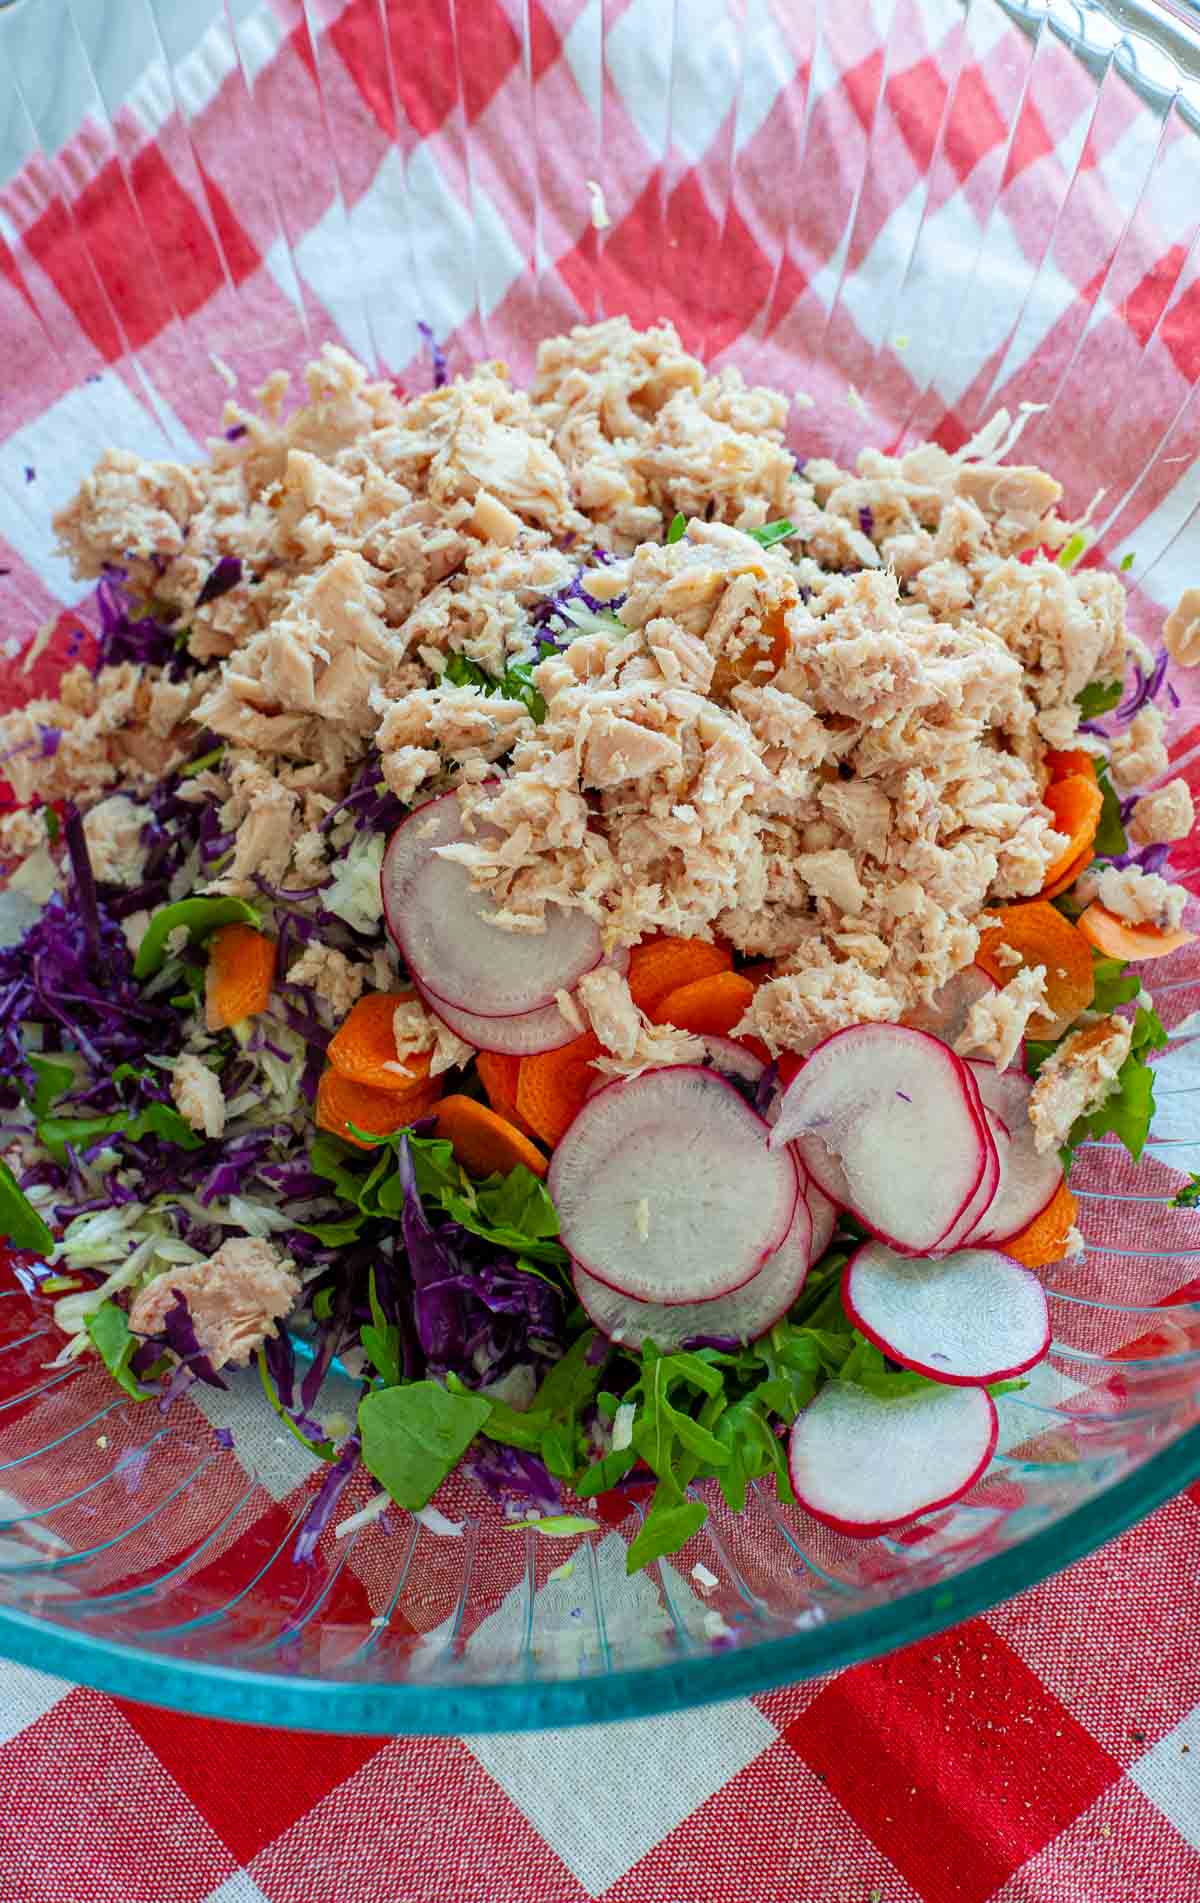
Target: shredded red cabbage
(511,1476)
(122,638)
(325,1500)
(1148,687)
(866,520)
(555,607)
(437,355)
(224,575)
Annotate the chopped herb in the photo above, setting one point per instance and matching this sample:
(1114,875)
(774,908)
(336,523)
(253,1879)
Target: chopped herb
(554,1526)
(1099,697)
(1189,1196)
(676,531)
(205,760)
(772,532)
(1070,553)
(1110,832)
(516,683)
(1126,562)
(53,824)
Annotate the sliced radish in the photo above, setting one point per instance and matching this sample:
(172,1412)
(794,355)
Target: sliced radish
(824,1218)
(981,1202)
(888,1121)
(520,1036)
(861,1465)
(1027,1181)
(447,933)
(667,1189)
(964,1319)
(946,1018)
(742,1316)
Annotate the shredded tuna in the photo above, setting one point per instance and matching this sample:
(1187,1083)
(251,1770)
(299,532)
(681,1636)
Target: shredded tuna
(198,1096)
(235,1299)
(1077,1079)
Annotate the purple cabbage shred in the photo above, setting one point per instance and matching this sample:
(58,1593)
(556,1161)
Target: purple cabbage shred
(224,575)
(437,356)
(142,640)
(325,1500)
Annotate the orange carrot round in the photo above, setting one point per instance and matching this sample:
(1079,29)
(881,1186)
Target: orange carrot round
(771,645)
(1042,936)
(553,1086)
(659,965)
(484,1142)
(709,1007)
(1135,943)
(1076,803)
(241,965)
(1062,763)
(1045,1240)
(363,1048)
(342,1102)
(498,1073)
(1066,879)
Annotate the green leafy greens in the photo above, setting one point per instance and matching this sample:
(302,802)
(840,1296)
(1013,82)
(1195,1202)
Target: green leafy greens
(198,917)
(19,1220)
(516,683)
(1099,697)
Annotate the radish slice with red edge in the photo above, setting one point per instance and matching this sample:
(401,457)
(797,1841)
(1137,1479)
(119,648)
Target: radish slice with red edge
(733,1059)
(666,1188)
(520,1036)
(447,933)
(968,1318)
(824,1218)
(741,1317)
(889,1123)
(981,1202)
(861,1465)
(1028,1182)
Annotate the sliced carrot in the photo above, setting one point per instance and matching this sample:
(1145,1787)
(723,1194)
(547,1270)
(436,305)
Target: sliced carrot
(1045,1240)
(1042,936)
(498,1073)
(771,645)
(1070,760)
(484,1142)
(553,1085)
(659,965)
(710,1007)
(241,965)
(1076,803)
(1112,936)
(1066,880)
(342,1102)
(363,1048)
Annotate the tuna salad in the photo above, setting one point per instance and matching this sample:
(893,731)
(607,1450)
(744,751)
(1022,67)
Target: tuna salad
(605,929)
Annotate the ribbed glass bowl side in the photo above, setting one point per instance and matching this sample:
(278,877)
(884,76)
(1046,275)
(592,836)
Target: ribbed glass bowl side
(917,214)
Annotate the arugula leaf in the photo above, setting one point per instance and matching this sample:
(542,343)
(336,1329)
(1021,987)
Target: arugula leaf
(1115,984)
(55,1076)
(19,1220)
(108,1328)
(867,1368)
(200,917)
(550,1425)
(1110,832)
(157,1119)
(1189,1196)
(1127,1113)
(555,1526)
(772,532)
(676,530)
(668,1525)
(1071,551)
(381,1340)
(413,1436)
(1099,697)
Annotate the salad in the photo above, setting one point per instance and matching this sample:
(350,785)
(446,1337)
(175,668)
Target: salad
(605,931)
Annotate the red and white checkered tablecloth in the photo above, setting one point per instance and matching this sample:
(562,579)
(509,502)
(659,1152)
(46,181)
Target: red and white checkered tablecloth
(1050,1752)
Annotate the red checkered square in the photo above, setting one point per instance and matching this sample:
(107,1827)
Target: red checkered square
(90,1811)
(248,1783)
(1135,1677)
(948,1770)
(421,1819)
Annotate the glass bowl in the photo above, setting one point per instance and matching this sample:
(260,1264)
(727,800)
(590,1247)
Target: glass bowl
(915,213)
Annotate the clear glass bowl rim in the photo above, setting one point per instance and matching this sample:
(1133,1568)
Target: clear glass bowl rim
(409,1709)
